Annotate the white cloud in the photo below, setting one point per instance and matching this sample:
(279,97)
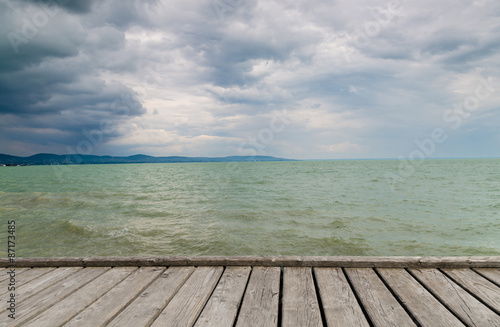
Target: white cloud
(353,89)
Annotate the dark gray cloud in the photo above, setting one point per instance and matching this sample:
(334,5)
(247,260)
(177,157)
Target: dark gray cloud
(51,79)
(74,6)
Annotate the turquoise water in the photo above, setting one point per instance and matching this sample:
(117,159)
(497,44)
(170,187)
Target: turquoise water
(443,207)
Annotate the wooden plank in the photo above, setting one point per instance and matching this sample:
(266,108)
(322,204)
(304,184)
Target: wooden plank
(339,303)
(269,261)
(24,292)
(146,307)
(31,274)
(424,307)
(478,285)
(107,307)
(5,273)
(64,310)
(41,283)
(186,306)
(45,281)
(222,307)
(50,296)
(28,276)
(300,304)
(261,300)
(490,273)
(382,308)
(464,305)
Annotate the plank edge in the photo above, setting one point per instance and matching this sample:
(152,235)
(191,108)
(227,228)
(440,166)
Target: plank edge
(266,261)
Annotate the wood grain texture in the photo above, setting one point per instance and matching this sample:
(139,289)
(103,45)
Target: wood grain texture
(381,306)
(101,312)
(46,280)
(300,304)
(268,261)
(425,308)
(5,276)
(478,285)
(28,276)
(261,300)
(50,296)
(37,285)
(145,308)
(67,308)
(339,303)
(491,273)
(223,305)
(186,305)
(464,305)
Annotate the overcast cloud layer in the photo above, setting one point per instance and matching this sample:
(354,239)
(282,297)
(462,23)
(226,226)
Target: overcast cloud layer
(295,79)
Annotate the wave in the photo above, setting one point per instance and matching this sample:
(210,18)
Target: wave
(494,206)
(68,226)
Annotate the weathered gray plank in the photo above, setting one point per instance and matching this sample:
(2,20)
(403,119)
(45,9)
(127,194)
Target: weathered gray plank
(103,310)
(28,276)
(4,273)
(46,280)
(381,306)
(274,261)
(478,285)
(223,305)
(340,305)
(260,303)
(67,308)
(25,291)
(424,307)
(145,308)
(490,273)
(300,304)
(52,295)
(464,305)
(31,274)
(186,305)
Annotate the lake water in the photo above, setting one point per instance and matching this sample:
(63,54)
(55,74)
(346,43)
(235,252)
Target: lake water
(363,207)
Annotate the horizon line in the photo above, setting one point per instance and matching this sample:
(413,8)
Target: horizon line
(248,156)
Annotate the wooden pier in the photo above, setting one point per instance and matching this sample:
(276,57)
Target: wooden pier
(252,291)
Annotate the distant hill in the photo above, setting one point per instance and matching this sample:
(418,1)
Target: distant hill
(71,159)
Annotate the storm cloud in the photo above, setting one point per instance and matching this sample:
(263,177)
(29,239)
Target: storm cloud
(344,79)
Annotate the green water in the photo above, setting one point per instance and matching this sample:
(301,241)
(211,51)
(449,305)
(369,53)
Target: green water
(444,207)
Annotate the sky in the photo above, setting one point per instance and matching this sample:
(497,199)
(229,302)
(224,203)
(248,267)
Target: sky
(345,79)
